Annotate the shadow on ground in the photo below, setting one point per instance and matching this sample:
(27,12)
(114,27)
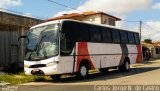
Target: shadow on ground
(99,76)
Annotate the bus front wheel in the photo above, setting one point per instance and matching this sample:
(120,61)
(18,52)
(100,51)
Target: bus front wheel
(83,71)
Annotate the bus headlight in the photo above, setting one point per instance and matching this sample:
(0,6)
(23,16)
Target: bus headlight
(26,66)
(51,64)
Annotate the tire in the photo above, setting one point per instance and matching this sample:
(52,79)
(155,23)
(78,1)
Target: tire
(104,70)
(56,77)
(125,66)
(83,71)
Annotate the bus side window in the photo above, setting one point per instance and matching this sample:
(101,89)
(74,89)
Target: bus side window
(65,46)
(95,34)
(115,36)
(68,37)
(106,35)
(82,33)
(124,38)
(131,38)
(137,40)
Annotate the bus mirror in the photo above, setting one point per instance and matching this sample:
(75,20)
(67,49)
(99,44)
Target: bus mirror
(23,37)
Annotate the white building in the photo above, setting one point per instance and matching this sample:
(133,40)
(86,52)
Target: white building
(151,50)
(91,16)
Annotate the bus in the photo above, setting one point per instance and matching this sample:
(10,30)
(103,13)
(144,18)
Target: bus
(67,46)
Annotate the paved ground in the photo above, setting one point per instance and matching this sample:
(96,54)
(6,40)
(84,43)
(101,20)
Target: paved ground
(147,73)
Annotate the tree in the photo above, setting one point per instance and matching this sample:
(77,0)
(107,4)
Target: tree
(148,40)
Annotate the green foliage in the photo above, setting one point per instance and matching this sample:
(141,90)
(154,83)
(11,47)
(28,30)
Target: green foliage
(21,78)
(148,40)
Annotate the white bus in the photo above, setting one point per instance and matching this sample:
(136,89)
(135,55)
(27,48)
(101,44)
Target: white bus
(73,47)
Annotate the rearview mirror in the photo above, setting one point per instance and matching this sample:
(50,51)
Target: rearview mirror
(23,37)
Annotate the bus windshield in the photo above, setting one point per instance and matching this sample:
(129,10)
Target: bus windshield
(42,42)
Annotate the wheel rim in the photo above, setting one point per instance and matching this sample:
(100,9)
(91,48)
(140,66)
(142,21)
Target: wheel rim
(83,71)
(127,65)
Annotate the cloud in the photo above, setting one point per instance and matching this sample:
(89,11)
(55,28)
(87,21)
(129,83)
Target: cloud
(28,15)
(150,29)
(122,8)
(156,6)
(9,3)
(116,6)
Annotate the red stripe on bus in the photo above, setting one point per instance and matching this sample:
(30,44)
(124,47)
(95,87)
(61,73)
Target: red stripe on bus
(139,56)
(83,50)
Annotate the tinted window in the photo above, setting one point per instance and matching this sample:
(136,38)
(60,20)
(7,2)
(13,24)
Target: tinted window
(136,35)
(82,32)
(77,31)
(95,34)
(124,38)
(66,44)
(69,28)
(131,38)
(106,35)
(157,51)
(115,36)
(68,38)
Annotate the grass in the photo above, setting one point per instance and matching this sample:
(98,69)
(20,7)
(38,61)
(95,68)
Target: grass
(19,78)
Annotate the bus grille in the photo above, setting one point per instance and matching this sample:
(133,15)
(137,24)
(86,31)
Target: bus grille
(37,66)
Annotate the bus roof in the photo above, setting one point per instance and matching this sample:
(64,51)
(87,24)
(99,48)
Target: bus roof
(85,22)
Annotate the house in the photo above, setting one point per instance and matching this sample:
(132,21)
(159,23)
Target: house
(156,50)
(150,50)
(90,16)
(11,27)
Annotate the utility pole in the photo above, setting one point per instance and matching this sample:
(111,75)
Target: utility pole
(140,29)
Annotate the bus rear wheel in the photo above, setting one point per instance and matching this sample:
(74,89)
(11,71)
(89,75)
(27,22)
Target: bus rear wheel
(83,71)
(125,66)
(56,77)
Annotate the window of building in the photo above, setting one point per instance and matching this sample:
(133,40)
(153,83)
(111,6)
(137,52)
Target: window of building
(106,21)
(111,21)
(157,51)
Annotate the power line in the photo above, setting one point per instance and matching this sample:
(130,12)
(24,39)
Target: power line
(130,21)
(147,27)
(151,27)
(64,5)
(17,12)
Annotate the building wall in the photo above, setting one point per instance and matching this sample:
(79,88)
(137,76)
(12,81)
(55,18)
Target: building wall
(156,52)
(98,18)
(11,28)
(17,20)
(91,18)
(9,52)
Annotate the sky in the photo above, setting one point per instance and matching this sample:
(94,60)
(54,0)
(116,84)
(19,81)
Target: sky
(130,11)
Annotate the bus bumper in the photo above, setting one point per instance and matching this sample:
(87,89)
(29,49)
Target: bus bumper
(51,70)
